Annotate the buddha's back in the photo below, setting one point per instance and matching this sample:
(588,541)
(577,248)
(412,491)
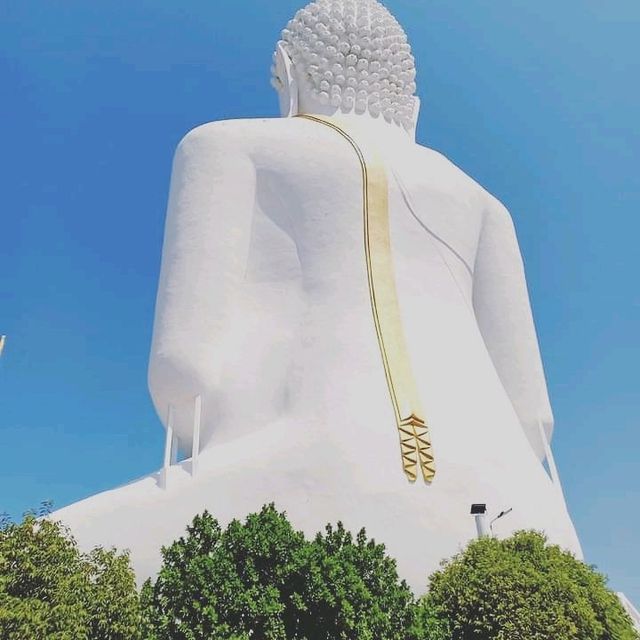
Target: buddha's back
(298,410)
(268,213)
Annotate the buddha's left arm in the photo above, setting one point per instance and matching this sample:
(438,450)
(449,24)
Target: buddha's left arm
(204,257)
(503,312)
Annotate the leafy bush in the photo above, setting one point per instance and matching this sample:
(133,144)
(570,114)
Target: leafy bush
(49,590)
(262,580)
(524,589)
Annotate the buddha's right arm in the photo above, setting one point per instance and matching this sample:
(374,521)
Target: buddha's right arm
(503,311)
(206,242)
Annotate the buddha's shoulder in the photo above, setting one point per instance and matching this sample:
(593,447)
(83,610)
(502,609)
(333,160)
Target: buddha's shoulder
(245,135)
(448,174)
(270,138)
(437,161)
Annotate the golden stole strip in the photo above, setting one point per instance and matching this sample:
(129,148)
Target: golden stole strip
(415,441)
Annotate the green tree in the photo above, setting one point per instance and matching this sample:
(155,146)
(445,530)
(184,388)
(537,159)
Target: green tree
(262,580)
(523,589)
(51,591)
(350,589)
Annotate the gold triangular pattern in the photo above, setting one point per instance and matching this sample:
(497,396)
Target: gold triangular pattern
(416,448)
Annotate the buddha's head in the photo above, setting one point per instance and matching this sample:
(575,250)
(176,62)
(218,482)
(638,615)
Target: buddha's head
(347,56)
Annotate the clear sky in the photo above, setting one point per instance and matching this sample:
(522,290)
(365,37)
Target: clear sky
(539,101)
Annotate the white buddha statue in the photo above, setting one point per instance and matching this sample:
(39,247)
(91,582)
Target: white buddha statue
(342,325)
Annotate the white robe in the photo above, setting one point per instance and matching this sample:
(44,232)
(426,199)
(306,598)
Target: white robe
(263,311)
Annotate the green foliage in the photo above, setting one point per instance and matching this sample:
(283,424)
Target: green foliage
(51,591)
(523,589)
(262,580)
(351,590)
(114,604)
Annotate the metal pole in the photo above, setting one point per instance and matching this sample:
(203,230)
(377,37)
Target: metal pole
(481,525)
(195,448)
(502,514)
(168,446)
(174,449)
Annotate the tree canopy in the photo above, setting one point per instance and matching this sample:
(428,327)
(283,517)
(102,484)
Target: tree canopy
(522,588)
(261,579)
(49,590)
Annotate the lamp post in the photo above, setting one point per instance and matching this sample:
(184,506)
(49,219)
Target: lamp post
(500,515)
(479,511)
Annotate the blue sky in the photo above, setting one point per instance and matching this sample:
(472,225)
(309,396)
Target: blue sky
(538,101)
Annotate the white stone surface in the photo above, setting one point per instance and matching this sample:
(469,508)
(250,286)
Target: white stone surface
(263,311)
(634,614)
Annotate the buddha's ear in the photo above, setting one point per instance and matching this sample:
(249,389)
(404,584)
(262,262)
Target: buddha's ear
(414,117)
(288,89)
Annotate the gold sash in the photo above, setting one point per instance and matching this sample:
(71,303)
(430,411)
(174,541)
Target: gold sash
(415,441)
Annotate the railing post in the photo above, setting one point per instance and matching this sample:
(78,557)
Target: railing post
(174,450)
(195,449)
(168,449)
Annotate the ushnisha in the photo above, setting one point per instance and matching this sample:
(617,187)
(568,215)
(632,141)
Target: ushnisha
(354,55)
